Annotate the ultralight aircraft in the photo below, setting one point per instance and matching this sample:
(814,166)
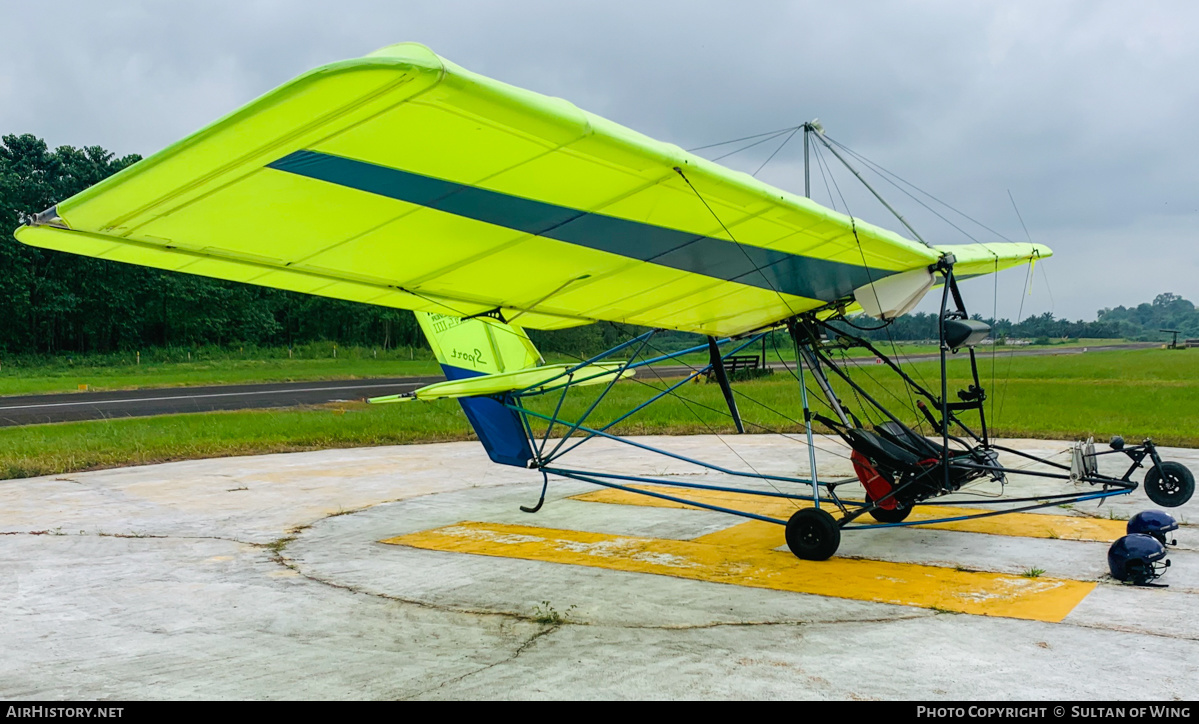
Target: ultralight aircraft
(400,179)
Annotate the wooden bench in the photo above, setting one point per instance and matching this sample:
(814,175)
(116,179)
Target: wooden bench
(739,362)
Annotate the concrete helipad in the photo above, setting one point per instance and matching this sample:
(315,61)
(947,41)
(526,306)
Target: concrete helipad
(409,571)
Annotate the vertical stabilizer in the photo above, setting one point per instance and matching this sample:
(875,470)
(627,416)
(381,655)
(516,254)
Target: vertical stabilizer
(481,345)
(484,346)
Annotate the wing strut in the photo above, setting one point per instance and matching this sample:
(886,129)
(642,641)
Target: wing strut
(718,369)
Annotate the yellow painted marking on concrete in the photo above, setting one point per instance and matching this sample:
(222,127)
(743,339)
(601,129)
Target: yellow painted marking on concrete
(753,534)
(1023,525)
(908,584)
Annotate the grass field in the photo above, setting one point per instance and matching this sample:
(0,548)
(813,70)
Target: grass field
(225,373)
(316,361)
(786,352)
(1145,393)
(207,366)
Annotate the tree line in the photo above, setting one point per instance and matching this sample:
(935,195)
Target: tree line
(1142,322)
(52,302)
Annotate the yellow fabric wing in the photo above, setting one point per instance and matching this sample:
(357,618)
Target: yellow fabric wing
(402,180)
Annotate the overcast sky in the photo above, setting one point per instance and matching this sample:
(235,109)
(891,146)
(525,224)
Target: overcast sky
(1085,111)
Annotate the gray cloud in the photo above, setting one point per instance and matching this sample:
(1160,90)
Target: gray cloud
(1084,110)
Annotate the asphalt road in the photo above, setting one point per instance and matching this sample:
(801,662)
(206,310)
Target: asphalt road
(35,409)
(65,407)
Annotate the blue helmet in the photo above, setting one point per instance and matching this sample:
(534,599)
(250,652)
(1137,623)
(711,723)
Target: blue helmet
(1137,559)
(1154,523)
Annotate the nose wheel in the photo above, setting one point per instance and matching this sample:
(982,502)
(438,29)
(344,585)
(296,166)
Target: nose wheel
(1170,485)
(813,534)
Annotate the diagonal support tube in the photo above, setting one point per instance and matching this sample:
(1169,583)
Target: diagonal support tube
(717,364)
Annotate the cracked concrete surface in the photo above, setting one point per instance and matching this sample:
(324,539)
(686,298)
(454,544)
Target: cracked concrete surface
(263,578)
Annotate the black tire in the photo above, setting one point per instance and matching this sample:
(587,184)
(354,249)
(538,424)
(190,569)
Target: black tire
(1171,485)
(895,515)
(813,534)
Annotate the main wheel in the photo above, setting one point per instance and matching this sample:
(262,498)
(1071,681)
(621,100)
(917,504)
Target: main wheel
(1171,485)
(813,534)
(894,515)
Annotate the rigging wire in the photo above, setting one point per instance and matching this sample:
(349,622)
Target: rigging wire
(1019,314)
(756,267)
(747,147)
(776,151)
(745,396)
(864,369)
(912,197)
(1023,295)
(722,440)
(725,412)
(778,132)
(865,409)
(884,173)
(1045,278)
(818,395)
(994,346)
(1018,216)
(820,164)
(894,350)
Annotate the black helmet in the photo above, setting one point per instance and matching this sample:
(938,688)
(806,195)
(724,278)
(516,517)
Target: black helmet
(1154,523)
(1137,559)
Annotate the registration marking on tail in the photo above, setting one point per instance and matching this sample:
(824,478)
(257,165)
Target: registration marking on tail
(908,584)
